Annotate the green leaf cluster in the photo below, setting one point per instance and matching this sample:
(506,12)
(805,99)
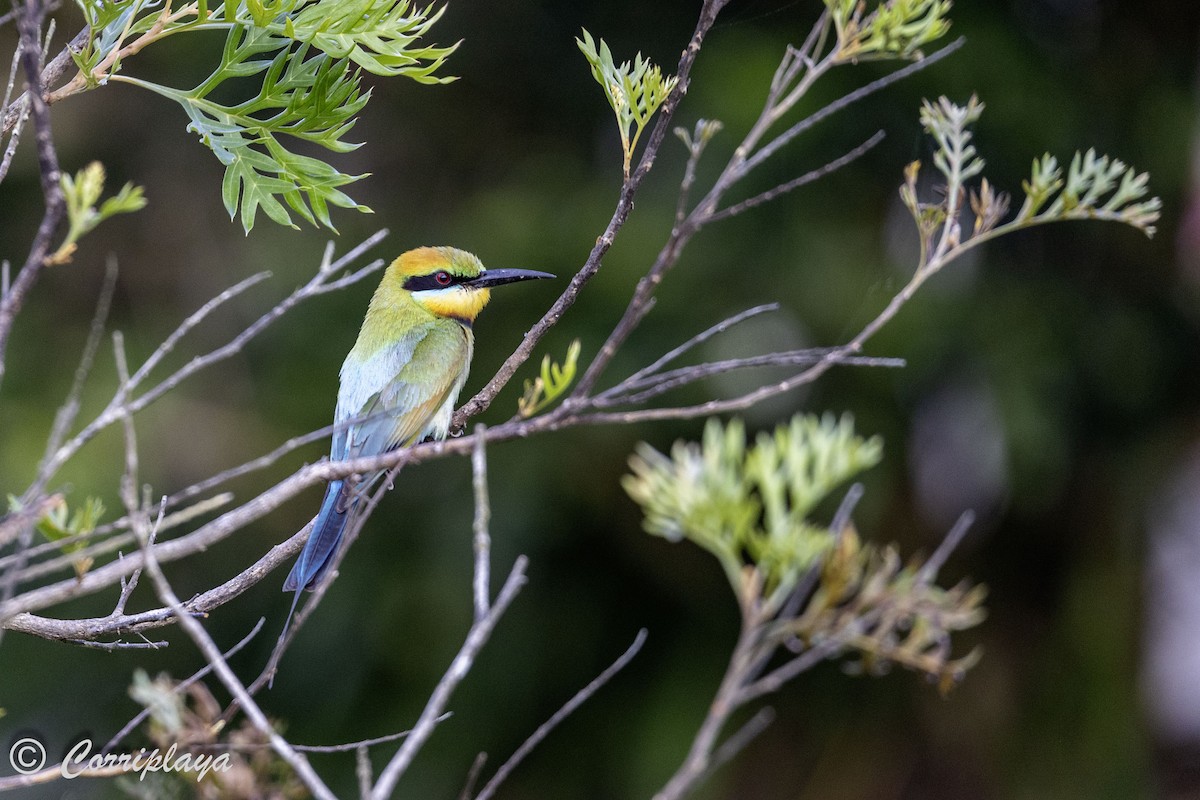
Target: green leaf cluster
(81,194)
(750,505)
(1094,187)
(59,524)
(549,386)
(634,90)
(895,29)
(310,55)
(802,585)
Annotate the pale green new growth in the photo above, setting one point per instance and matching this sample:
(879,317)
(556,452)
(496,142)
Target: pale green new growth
(696,140)
(549,386)
(1095,187)
(160,697)
(800,583)
(754,502)
(897,28)
(55,525)
(310,54)
(81,194)
(635,91)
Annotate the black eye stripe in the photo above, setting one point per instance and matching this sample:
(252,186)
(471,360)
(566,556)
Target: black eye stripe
(420,283)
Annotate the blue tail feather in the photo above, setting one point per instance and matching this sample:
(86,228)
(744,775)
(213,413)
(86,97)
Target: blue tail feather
(322,543)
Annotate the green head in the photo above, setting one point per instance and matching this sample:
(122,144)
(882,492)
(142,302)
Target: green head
(451,283)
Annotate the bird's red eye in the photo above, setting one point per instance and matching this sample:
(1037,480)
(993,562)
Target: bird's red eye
(443,278)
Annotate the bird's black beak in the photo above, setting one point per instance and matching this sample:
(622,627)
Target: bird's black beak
(497,277)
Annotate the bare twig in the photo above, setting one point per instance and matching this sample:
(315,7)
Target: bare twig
(483,541)
(803,180)
(477,637)
(568,708)
(65,417)
(141,716)
(145,644)
(50,75)
(468,790)
(212,654)
(698,339)
(843,102)
(54,772)
(950,542)
(481,401)
(344,748)
(738,740)
(15,136)
(631,392)
(29,23)
(123,403)
(699,758)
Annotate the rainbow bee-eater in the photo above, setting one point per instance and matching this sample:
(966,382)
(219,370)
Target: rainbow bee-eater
(400,382)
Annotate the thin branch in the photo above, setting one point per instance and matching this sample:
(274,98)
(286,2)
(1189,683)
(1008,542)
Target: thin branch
(15,137)
(468,790)
(69,410)
(29,23)
(637,392)
(343,748)
(112,647)
(739,740)
(930,568)
(212,654)
(483,399)
(483,541)
(769,149)
(319,284)
(568,708)
(477,637)
(796,183)
(363,771)
(815,654)
(50,75)
(699,757)
(699,339)
(142,715)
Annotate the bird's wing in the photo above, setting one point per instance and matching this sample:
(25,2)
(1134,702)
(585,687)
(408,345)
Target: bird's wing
(404,395)
(363,378)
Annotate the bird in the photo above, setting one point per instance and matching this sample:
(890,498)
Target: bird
(401,380)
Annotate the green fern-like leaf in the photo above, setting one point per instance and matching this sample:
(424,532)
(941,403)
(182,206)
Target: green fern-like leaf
(309,54)
(635,90)
(740,500)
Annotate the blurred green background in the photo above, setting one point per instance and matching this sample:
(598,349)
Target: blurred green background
(1051,386)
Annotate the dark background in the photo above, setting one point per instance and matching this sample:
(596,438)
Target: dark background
(1051,386)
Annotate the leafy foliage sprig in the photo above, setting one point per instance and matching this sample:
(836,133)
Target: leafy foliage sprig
(1094,187)
(894,29)
(82,193)
(310,54)
(801,584)
(634,90)
(551,383)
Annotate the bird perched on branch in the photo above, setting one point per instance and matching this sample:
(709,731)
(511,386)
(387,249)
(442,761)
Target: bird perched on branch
(400,382)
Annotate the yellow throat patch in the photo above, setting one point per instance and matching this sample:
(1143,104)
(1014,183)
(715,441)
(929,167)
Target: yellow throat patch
(457,302)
